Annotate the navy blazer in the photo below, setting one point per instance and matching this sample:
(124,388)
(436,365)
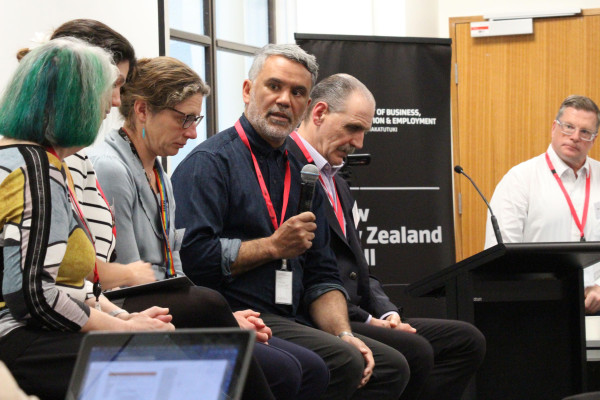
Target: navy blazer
(365,291)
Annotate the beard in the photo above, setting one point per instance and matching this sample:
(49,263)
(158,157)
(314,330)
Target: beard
(269,129)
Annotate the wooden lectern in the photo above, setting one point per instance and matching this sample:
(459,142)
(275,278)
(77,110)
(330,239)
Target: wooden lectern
(527,299)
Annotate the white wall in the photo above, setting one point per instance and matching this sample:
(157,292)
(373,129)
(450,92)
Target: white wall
(418,18)
(356,17)
(20,21)
(137,20)
(466,8)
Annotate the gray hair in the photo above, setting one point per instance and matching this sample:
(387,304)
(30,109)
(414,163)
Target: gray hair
(580,103)
(335,91)
(291,52)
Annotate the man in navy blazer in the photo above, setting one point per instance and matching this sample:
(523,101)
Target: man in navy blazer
(443,355)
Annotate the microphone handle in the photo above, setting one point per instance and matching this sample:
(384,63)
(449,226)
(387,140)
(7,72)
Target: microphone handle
(306,197)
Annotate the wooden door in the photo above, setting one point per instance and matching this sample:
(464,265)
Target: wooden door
(505,95)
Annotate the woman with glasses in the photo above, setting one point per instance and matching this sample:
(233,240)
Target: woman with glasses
(161,105)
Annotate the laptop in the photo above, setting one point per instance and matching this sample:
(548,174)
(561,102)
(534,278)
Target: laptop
(207,364)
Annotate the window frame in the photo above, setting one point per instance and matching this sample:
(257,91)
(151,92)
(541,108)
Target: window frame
(211,45)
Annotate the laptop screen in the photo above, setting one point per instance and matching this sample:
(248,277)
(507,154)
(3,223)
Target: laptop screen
(185,364)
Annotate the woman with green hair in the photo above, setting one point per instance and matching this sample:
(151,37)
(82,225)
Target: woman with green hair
(52,107)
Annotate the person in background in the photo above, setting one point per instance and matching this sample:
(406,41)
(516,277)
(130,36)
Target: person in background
(443,355)
(161,105)
(95,206)
(80,171)
(555,197)
(238,194)
(42,325)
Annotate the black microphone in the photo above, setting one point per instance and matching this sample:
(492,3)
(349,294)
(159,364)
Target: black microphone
(458,169)
(309,175)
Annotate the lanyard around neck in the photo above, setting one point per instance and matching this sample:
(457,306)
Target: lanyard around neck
(75,204)
(162,206)
(261,180)
(337,204)
(580,225)
(164,218)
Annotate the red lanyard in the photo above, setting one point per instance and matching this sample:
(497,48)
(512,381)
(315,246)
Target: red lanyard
(580,225)
(261,180)
(75,204)
(337,205)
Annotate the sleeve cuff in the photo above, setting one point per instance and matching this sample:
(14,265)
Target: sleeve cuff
(387,314)
(229,252)
(368,321)
(317,291)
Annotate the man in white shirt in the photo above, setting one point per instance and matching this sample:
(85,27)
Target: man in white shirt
(555,197)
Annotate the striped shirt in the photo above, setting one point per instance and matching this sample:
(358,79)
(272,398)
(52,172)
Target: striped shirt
(93,204)
(42,243)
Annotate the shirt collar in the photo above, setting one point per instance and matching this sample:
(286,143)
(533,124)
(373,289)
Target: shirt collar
(324,167)
(259,145)
(561,167)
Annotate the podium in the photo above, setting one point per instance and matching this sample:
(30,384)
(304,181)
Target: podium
(527,299)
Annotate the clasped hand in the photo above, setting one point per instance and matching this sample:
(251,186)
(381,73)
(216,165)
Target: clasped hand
(249,319)
(154,319)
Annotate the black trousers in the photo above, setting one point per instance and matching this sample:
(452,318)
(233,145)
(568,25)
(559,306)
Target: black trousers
(41,361)
(346,363)
(443,355)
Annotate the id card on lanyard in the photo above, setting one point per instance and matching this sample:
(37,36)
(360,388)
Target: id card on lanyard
(283,276)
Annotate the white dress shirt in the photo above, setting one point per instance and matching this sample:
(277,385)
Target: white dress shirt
(531,207)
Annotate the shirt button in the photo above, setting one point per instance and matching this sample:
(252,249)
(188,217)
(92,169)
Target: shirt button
(353,276)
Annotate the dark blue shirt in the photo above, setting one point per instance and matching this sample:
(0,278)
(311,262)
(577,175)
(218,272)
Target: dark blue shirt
(218,196)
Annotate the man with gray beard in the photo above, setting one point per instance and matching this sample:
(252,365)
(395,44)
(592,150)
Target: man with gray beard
(237,196)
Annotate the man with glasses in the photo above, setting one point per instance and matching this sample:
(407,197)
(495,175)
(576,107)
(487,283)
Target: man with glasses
(555,197)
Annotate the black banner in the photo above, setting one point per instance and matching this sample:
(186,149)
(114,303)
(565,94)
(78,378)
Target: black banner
(405,195)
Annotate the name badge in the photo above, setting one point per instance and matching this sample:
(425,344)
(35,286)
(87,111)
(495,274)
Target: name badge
(283,287)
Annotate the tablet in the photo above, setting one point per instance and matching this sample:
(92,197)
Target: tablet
(164,284)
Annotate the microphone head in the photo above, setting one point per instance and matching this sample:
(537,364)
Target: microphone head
(458,169)
(309,173)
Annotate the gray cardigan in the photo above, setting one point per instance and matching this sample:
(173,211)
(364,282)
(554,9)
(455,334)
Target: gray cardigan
(135,205)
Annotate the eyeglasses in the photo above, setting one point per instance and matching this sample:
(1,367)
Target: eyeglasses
(189,119)
(569,129)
